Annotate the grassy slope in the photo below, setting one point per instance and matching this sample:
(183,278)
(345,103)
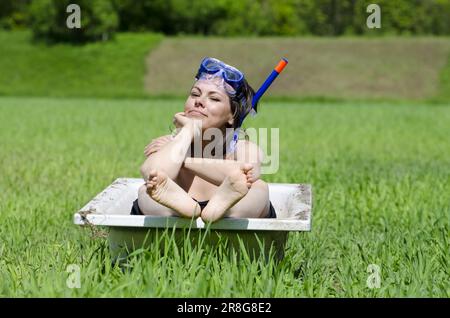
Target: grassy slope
(444,89)
(381,191)
(394,68)
(320,68)
(101,69)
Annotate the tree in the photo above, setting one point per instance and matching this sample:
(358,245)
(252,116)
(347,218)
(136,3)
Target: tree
(48,20)
(13,14)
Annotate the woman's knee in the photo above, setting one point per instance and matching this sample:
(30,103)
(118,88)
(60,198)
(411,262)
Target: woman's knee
(143,198)
(261,185)
(142,190)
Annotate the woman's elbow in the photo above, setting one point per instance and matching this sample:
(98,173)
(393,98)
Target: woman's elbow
(147,167)
(145,172)
(149,164)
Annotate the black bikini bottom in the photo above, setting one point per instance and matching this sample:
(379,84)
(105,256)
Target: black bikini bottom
(135,210)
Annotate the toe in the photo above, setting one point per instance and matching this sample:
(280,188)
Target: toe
(153,174)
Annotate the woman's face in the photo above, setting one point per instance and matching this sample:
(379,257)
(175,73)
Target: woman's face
(209,102)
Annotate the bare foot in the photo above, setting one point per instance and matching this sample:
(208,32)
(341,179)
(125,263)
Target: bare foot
(166,192)
(232,189)
(247,169)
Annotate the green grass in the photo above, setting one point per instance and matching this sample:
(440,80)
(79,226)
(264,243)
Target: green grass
(444,89)
(115,68)
(381,196)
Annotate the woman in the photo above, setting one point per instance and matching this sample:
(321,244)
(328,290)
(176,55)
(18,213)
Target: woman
(182,182)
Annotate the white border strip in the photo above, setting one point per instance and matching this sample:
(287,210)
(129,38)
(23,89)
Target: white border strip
(148,221)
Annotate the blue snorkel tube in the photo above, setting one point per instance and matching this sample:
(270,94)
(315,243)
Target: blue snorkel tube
(276,71)
(260,92)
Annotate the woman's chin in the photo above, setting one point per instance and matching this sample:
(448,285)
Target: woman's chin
(195,116)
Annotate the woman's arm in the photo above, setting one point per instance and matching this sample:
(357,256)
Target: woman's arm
(156,144)
(215,170)
(169,158)
(211,170)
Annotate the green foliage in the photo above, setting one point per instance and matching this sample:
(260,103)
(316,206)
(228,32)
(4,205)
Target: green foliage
(229,17)
(381,188)
(283,17)
(48,18)
(222,17)
(415,17)
(144,15)
(13,14)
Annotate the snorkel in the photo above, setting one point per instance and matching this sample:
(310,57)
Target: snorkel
(259,93)
(276,71)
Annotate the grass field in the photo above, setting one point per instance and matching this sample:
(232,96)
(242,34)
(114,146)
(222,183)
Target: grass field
(381,196)
(114,68)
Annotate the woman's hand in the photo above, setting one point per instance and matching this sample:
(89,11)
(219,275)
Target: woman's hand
(180,120)
(156,144)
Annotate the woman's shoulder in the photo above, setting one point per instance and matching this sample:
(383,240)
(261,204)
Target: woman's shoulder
(245,148)
(241,144)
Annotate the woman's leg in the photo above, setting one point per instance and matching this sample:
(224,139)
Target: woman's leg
(149,206)
(234,199)
(162,196)
(233,188)
(255,204)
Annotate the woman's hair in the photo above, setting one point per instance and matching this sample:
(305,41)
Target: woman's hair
(241,104)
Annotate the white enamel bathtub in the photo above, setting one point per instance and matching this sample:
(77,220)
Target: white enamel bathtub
(111,208)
